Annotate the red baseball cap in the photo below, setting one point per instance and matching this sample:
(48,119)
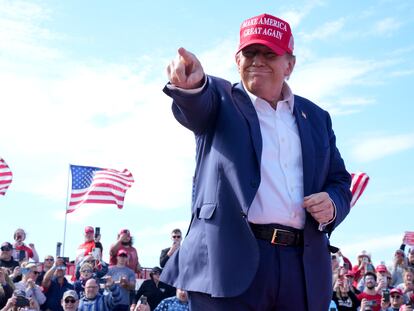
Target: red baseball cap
(122,252)
(396,291)
(268,30)
(89,229)
(124,231)
(381,268)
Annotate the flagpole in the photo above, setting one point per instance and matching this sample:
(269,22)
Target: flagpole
(66,214)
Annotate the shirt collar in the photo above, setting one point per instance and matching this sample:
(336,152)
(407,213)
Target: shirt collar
(287,96)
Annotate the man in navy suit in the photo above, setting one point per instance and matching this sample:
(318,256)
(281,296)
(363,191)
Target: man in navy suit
(269,186)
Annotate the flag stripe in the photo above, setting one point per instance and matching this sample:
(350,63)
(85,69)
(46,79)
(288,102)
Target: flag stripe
(99,186)
(358,185)
(6,177)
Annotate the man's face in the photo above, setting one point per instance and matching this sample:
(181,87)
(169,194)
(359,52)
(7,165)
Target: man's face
(370,282)
(6,253)
(70,304)
(411,257)
(19,236)
(33,273)
(176,237)
(396,300)
(122,260)
(263,71)
(182,295)
(91,289)
(48,262)
(89,236)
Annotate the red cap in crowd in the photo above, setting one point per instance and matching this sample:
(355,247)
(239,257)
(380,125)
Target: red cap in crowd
(396,291)
(124,231)
(89,229)
(381,268)
(268,30)
(122,252)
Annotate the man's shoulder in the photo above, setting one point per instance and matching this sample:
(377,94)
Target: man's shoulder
(304,102)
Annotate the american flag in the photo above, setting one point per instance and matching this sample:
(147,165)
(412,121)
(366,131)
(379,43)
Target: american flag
(358,185)
(98,185)
(409,238)
(6,177)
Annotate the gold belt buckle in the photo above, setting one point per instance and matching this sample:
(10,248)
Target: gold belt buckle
(274,237)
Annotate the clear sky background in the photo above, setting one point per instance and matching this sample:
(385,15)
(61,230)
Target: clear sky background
(81,83)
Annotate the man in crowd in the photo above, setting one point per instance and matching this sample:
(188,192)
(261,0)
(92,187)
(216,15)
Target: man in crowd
(396,300)
(6,258)
(99,267)
(154,289)
(70,301)
(177,303)
(166,253)
(28,283)
(370,297)
(398,267)
(125,277)
(125,242)
(87,246)
(55,285)
(29,251)
(47,264)
(269,184)
(93,300)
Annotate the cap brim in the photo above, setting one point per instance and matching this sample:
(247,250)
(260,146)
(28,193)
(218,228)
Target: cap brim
(278,50)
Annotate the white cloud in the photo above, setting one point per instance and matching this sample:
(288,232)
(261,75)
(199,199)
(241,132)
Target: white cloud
(374,148)
(386,26)
(327,30)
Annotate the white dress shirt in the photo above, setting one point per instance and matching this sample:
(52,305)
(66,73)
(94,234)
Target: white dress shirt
(279,198)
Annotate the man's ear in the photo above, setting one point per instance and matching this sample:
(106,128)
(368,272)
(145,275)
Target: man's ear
(291,64)
(237,58)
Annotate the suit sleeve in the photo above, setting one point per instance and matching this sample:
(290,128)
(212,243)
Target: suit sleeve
(164,257)
(195,111)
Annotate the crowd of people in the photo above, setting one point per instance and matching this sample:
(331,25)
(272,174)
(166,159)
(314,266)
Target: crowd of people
(366,287)
(87,283)
(27,284)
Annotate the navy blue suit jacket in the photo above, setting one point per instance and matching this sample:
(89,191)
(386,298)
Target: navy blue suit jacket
(219,255)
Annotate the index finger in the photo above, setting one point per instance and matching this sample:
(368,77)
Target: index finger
(185,56)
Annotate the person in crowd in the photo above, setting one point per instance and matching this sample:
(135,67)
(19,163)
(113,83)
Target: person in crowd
(86,273)
(87,246)
(410,258)
(396,301)
(382,276)
(344,298)
(125,242)
(154,289)
(28,283)
(364,265)
(407,286)
(6,257)
(125,277)
(369,297)
(20,302)
(99,267)
(397,269)
(29,251)
(55,285)
(350,277)
(260,186)
(6,287)
(179,302)
(93,300)
(48,262)
(166,253)
(70,301)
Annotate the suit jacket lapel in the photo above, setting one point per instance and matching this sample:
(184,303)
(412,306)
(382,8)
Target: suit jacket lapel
(308,149)
(246,107)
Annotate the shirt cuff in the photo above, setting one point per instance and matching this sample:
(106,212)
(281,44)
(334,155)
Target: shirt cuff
(188,91)
(323,226)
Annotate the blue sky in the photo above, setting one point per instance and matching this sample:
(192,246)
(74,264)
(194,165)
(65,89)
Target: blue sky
(81,84)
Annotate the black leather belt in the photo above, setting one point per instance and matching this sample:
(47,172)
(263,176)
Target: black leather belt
(278,234)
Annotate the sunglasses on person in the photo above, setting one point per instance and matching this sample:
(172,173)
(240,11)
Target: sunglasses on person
(49,259)
(176,236)
(70,300)
(35,272)
(396,296)
(87,271)
(6,249)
